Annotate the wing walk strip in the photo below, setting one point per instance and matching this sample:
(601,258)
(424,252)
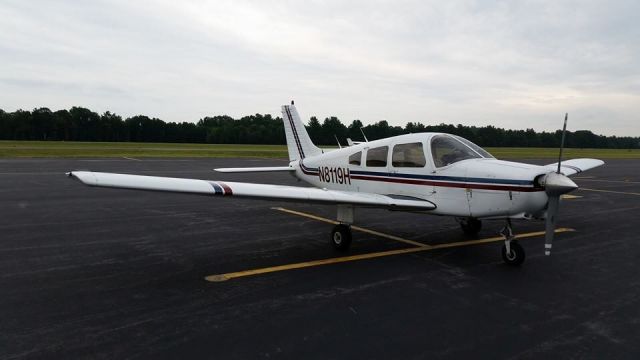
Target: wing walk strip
(418,247)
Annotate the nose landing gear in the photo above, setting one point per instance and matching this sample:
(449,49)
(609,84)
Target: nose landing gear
(512,252)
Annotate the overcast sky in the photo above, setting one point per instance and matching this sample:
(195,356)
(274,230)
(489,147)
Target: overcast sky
(506,63)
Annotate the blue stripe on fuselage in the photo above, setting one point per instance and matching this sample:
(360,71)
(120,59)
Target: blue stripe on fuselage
(444,178)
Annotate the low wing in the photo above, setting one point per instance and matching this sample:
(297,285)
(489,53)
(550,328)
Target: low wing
(574,166)
(256,169)
(256,191)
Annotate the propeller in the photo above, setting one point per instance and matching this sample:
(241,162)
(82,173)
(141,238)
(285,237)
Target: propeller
(555,185)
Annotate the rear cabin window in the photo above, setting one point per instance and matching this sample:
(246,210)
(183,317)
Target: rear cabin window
(355,158)
(446,150)
(408,155)
(377,157)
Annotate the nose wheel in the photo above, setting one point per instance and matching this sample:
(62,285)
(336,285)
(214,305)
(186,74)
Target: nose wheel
(512,252)
(515,255)
(341,237)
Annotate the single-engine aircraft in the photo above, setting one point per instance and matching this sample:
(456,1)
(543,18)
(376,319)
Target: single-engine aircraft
(430,173)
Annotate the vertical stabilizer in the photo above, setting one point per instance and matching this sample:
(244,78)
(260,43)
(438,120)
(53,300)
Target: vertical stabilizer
(299,143)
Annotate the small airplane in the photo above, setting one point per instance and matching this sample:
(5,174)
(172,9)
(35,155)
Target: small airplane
(430,173)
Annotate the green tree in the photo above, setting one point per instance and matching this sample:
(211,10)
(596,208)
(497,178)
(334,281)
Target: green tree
(314,129)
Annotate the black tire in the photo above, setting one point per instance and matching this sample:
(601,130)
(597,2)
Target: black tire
(341,237)
(516,258)
(471,226)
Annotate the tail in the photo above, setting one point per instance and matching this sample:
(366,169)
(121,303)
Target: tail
(299,143)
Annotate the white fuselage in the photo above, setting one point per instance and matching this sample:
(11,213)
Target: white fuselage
(479,187)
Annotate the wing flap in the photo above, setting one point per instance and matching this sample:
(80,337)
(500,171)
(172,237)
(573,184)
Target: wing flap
(249,190)
(575,166)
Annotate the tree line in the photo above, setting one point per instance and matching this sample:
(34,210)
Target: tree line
(81,124)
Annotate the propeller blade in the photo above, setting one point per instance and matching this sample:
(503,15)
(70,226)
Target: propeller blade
(564,131)
(550,224)
(555,185)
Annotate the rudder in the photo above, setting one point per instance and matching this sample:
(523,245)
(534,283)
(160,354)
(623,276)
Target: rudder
(299,143)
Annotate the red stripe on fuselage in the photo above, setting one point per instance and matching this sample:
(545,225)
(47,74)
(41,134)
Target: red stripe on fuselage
(306,172)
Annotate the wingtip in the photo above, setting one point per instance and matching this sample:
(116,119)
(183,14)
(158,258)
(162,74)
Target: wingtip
(77,175)
(71,175)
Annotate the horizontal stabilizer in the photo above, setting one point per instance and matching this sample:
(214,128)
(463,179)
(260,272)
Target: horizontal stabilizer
(249,190)
(574,166)
(256,169)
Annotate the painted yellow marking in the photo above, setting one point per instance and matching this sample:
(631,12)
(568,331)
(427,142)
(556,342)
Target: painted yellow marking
(583,177)
(307,264)
(301,265)
(570,197)
(612,191)
(353,227)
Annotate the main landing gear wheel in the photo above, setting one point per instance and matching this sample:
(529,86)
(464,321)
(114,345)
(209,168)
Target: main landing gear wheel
(341,237)
(515,257)
(471,226)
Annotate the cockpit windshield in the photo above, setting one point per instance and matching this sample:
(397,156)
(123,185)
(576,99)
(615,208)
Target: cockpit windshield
(484,153)
(447,150)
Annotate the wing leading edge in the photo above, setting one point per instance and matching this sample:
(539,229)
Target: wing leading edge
(574,166)
(249,190)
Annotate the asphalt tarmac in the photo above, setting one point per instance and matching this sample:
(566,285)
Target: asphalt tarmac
(105,273)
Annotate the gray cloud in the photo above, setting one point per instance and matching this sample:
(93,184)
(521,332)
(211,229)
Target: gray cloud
(510,64)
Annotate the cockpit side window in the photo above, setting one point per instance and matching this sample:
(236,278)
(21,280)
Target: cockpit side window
(356,158)
(447,150)
(377,157)
(408,155)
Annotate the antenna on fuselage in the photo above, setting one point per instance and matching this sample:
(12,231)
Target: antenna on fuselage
(365,136)
(338,141)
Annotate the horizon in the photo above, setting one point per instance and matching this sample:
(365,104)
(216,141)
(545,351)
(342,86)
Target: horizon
(346,123)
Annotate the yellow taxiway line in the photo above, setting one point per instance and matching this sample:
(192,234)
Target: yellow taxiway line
(353,227)
(611,191)
(570,197)
(417,248)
